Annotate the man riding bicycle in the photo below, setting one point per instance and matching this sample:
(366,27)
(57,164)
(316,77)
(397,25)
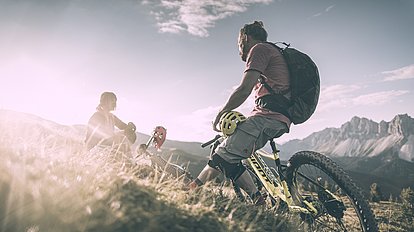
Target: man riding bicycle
(263,60)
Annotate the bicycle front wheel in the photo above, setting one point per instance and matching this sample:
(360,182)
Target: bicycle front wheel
(319,184)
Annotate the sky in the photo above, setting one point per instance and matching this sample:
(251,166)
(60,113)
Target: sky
(175,62)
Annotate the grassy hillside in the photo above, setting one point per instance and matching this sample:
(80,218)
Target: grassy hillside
(49,183)
(49,188)
(100,192)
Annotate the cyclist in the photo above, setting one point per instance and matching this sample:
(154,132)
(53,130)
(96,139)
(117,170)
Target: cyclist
(262,60)
(101,126)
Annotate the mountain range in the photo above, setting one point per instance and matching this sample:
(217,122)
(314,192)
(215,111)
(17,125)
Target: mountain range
(369,151)
(361,137)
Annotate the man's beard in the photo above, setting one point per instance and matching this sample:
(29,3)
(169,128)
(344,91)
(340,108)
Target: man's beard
(244,53)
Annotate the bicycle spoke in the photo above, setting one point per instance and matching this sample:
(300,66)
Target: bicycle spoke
(311,185)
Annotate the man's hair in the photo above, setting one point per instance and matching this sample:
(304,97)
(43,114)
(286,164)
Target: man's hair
(255,30)
(105,96)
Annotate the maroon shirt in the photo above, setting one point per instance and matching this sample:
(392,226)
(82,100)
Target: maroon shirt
(268,60)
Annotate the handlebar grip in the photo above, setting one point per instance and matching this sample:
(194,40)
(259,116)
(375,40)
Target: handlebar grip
(211,141)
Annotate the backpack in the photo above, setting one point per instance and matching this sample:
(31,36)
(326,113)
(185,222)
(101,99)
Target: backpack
(304,87)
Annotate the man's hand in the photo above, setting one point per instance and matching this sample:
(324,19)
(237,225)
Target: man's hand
(131,126)
(239,95)
(216,121)
(129,132)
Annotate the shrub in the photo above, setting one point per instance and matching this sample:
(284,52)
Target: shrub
(376,193)
(407,199)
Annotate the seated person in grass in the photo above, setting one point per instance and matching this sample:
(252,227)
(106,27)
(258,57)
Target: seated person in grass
(101,126)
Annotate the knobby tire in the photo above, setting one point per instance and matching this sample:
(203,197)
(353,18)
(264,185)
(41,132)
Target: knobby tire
(351,193)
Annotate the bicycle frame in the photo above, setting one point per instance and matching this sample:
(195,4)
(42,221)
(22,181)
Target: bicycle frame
(280,185)
(275,186)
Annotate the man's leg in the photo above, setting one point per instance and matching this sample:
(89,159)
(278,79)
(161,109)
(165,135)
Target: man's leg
(238,174)
(245,181)
(207,174)
(234,171)
(250,135)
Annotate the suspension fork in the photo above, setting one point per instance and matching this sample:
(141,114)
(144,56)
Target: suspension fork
(275,152)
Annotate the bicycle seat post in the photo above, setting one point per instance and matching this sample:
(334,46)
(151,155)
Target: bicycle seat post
(275,153)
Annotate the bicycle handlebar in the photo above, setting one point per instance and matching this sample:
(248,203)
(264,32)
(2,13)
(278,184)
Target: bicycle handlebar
(211,141)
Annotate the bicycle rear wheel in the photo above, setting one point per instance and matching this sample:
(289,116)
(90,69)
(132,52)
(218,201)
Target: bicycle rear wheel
(340,204)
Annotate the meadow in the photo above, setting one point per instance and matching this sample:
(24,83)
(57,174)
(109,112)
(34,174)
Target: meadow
(48,182)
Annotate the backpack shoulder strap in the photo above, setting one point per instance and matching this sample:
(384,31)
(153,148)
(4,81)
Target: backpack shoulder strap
(266,85)
(279,48)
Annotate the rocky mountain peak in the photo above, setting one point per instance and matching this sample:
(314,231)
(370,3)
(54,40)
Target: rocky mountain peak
(359,127)
(362,137)
(402,125)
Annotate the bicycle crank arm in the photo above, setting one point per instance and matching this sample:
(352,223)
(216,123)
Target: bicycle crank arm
(310,209)
(298,209)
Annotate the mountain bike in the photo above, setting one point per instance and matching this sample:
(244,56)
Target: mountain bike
(310,185)
(157,162)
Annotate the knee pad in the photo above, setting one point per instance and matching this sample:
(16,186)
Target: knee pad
(230,170)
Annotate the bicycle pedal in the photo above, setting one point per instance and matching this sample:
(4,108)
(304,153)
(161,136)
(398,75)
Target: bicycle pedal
(261,200)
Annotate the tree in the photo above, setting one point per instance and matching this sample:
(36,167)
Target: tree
(375,193)
(407,209)
(391,199)
(407,199)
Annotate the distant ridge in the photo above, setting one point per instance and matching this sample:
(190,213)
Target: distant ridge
(361,137)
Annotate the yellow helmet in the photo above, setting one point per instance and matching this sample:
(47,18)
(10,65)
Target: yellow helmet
(229,120)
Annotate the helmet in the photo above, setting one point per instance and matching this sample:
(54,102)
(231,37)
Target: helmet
(229,120)
(159,135)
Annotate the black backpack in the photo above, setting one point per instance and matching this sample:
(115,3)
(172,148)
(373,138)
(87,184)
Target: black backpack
(304,87)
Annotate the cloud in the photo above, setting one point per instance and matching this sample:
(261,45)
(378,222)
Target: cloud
(197,122)
(195,17)
(345,96)
(329,8)
(334,91)
(326,10)
(378,98)
(403,73)
(336,96)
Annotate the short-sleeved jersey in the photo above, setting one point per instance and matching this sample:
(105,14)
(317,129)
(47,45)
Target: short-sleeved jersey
(268,60)
(101,126)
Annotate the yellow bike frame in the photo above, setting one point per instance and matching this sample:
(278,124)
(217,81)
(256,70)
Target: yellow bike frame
(276,187)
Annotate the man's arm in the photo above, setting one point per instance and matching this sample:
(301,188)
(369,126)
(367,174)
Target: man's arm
(240,94)
(119,123)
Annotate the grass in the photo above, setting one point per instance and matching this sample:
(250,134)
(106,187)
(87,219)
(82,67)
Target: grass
(50,185)
(391,217)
